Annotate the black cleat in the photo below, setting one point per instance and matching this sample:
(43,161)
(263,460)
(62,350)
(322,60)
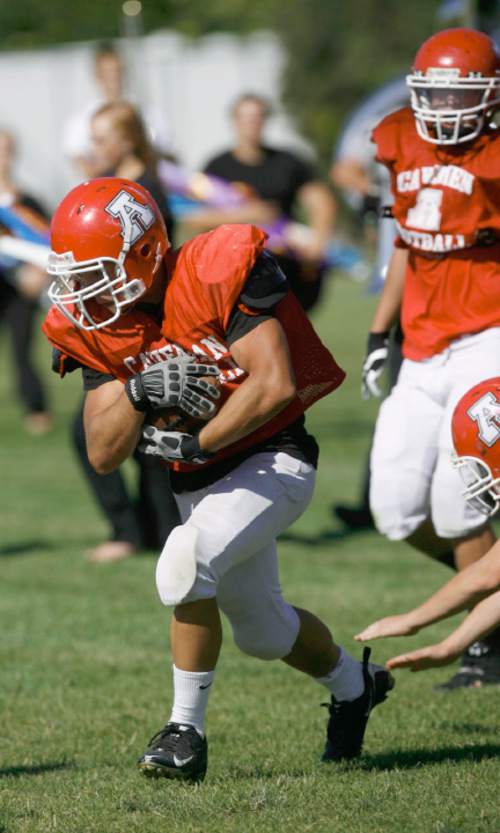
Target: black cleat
(175,752)
(348,719)
(356,519)
(480,666)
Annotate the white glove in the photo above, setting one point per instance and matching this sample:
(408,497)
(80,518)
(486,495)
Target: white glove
(175,382)
(377,353)
(173,446)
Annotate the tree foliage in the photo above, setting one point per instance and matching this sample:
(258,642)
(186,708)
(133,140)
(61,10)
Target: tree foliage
(341,51)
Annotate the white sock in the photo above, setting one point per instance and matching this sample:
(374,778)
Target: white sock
(345,681)
(191,692)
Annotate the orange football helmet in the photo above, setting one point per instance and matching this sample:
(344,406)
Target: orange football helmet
(455,86)
(108,239)
(475,428)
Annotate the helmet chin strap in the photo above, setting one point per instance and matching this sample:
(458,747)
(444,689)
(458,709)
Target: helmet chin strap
(127,242)
(134,288)
(158,259)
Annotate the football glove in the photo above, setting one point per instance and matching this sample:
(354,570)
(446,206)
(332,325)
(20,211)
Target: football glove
(173,446)
(377,353)
(175,382)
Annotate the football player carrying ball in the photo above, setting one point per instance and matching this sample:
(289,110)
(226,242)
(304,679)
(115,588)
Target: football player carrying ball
(157,322)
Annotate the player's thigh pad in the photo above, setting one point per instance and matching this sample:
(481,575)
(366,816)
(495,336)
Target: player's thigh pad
(176,568)
(404,453)
(249,594)
(228,522)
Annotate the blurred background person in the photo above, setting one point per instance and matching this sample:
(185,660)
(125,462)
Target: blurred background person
(364,184)
(110,77)
(120,147)
(21,286)
(283,186)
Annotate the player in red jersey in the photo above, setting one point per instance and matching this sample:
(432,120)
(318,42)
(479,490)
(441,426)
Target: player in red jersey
(145,323)
(443,156)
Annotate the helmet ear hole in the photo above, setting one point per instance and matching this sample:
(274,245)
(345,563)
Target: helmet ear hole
(145,250)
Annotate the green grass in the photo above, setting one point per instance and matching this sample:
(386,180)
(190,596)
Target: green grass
(85,661)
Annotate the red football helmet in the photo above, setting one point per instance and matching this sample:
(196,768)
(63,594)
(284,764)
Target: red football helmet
(475,428)
(108,239)
(455,86)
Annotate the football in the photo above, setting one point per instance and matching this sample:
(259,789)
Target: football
(175,419)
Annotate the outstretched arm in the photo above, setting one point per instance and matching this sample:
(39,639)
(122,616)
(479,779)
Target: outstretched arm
(480,621)
(477,585)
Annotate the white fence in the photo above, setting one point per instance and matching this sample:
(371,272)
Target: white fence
(192,84)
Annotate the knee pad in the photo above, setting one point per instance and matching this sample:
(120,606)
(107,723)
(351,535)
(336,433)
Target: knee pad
(176,569)
(268,639)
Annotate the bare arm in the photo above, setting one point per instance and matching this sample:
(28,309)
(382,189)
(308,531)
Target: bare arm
(269,387)
(320,206)
(255,211)
(112,426)
(391,296)
(86,166)
(466,588)
(484,617)
(481,620)
(350,175)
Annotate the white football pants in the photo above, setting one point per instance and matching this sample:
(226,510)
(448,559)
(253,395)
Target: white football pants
(226,547)
(411,473)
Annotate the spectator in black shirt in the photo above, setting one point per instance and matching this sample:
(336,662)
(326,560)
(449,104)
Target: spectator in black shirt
(282,184)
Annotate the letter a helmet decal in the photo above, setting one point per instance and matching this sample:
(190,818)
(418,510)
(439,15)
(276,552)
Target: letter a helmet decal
(486,413)
(135,218)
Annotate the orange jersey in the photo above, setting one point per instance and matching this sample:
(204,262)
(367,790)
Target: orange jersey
(447,207)
(206,278)
(134,342)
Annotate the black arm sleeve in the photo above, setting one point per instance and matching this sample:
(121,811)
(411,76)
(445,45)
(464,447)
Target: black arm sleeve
(93,379)
(266,285)
(62,364)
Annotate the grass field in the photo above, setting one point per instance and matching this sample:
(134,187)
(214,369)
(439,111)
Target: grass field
(85,663)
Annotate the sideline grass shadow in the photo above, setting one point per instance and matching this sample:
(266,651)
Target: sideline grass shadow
(413,759)
(24,547)
(323,537)
(36,769)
